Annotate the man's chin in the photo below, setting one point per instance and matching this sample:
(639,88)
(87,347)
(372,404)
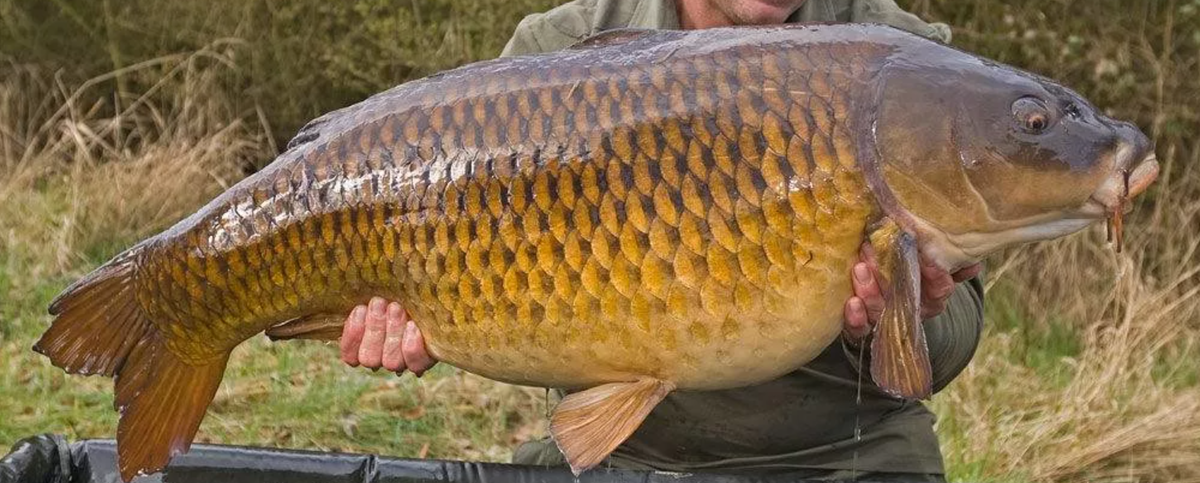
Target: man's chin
(760,12)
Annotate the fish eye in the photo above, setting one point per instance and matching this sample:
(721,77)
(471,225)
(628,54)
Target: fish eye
(1032,115)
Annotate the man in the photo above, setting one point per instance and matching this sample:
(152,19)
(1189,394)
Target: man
(802,423)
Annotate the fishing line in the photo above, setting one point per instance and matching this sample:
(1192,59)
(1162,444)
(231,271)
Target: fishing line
(857,413)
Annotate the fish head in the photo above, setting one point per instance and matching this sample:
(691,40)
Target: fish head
(975,156)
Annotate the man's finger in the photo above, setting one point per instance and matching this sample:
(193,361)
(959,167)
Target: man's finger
(370,353)
(393,342)
(866,253)
(352,334)
(857,324)
(415,355)
(968,273)
(867,289)
(936,284)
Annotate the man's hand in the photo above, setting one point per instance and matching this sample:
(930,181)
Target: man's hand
(865,307)
(380,334)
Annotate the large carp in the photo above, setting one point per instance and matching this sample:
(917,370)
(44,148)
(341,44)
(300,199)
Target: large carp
(645,212)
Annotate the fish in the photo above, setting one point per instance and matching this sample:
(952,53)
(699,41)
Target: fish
(645,212)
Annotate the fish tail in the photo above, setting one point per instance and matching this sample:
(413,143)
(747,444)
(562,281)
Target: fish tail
(97,321)
(162,400)
(100,329)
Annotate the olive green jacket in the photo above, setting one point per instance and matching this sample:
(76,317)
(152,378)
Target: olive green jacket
(578,20)
(803,422)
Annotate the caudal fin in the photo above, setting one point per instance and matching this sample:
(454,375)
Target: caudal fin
(99,328)
(162,400)
(97,322)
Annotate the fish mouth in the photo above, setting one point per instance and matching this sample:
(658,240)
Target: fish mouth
(1111,201)
(1124,184)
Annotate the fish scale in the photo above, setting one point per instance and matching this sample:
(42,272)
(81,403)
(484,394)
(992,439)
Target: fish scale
(624,262)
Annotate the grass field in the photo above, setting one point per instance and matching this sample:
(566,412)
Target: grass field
(1089,371)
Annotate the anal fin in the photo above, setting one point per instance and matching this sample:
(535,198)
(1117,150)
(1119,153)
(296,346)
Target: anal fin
(589,425)
(312,327)
(899,355)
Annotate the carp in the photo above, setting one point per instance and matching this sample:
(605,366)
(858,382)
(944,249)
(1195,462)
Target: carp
(646,212)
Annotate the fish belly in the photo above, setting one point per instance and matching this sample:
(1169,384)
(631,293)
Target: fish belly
(701,352)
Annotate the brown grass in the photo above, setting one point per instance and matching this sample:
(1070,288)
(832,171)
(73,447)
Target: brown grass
(121,166)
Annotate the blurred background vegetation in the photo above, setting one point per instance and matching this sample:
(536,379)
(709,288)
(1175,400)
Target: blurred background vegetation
(118,117)
(294,59)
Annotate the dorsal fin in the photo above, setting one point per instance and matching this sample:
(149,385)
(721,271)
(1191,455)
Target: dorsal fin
(613,37)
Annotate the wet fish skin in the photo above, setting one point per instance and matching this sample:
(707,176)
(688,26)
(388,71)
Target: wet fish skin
(560,227)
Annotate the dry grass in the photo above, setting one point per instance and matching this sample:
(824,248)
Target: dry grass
(1122,406)
(299,58)
(107,179)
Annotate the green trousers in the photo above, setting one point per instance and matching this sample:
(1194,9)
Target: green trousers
(543,452)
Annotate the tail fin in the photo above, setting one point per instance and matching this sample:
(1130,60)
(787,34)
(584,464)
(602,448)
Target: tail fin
(162,400)
(97,321)
(99,328)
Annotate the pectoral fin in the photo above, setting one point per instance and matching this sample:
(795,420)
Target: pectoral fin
(589,425)
(899,355)
(312,327)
